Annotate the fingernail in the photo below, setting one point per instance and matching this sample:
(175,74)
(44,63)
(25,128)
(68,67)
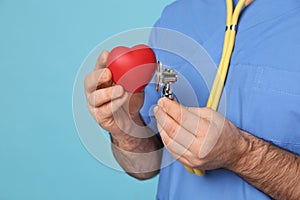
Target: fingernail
(117,92)
(160,103)
(107,73)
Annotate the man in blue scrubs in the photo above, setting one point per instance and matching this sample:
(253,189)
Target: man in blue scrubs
(252,151)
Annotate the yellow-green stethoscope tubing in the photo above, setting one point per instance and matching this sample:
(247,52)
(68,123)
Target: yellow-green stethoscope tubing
(219,81)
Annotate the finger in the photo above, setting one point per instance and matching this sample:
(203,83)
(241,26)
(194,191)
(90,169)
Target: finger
(97,79)
(105,95)
(177,149)
(180,153)
(179,134)
(114,105)
(181,115)
(248,2)
(107,110)
(173,129)
(101,61)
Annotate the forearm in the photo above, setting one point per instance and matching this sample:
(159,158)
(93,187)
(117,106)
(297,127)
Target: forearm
(140,157)
(272,170)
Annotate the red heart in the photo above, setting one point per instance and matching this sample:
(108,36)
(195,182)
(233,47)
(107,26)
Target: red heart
(133,67)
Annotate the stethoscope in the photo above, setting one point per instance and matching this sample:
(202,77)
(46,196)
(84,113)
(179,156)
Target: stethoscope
(165,77)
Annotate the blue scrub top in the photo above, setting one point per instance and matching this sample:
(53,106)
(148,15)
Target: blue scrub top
(262,88)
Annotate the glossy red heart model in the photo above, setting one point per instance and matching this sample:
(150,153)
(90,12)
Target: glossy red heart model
(133,67)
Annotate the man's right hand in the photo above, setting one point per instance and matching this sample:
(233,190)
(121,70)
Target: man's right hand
(115,110)
(135,146)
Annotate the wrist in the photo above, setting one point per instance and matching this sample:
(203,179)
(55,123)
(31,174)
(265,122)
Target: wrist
(124,142)
(127,126)
(242,149)
(132,135)
(255,151)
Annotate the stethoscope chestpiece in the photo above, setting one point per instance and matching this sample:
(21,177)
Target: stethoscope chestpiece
(165,77)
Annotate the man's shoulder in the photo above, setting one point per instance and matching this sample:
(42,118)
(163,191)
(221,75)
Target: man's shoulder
(195,18)
(190,9)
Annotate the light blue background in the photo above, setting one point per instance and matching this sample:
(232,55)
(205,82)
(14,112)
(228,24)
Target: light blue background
(42,45)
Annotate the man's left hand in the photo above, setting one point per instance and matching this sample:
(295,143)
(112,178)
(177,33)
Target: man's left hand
(199,137)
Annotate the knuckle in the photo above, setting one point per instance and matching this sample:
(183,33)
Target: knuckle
(91,81)
(102,117)
(91,99)
(207,113)
(109,122)
(87,81)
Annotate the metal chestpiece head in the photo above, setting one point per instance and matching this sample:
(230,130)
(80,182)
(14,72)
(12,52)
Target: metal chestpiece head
(164,79)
